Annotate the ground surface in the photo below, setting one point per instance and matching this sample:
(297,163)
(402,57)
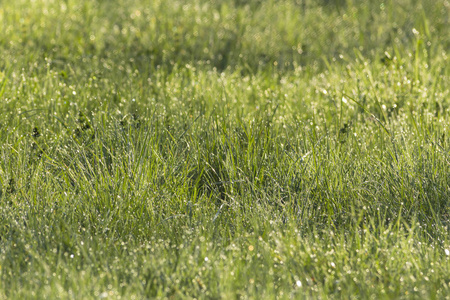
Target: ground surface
(224,149)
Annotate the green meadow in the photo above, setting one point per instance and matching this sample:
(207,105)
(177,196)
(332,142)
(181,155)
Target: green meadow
(224,149)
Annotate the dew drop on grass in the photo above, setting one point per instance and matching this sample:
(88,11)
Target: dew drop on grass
(298,283)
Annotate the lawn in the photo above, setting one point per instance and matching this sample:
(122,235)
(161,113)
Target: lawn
(214,149)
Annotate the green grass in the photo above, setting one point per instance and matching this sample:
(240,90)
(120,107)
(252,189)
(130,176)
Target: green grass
(224,149)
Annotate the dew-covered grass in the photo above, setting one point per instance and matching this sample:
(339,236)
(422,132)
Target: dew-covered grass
(224,149)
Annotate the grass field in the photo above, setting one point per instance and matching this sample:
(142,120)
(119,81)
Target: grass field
(222,149)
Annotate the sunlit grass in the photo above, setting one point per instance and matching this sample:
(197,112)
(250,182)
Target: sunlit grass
(224,149)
